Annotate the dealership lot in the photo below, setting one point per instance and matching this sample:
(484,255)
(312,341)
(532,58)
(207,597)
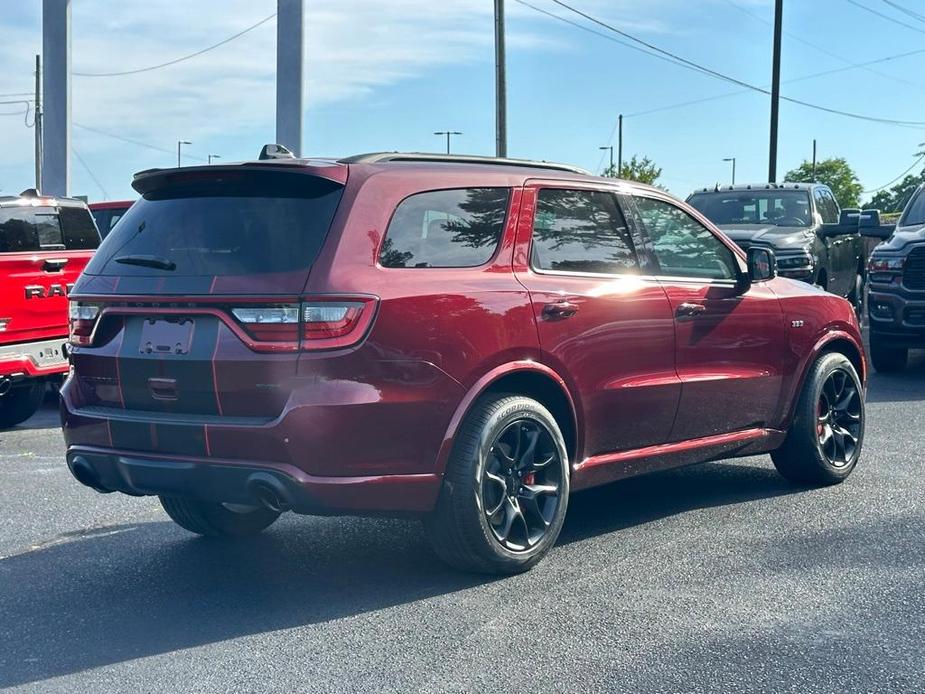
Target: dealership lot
(712,578)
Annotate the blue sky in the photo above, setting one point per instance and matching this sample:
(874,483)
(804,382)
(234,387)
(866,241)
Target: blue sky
(384,76)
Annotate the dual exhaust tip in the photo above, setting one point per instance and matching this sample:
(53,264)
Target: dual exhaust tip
(6,385)
(266,489)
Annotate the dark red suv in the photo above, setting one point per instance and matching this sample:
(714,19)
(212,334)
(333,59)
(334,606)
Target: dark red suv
(465,340)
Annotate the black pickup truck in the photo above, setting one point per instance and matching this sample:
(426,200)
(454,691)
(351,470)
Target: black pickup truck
(896,301)
(813,239)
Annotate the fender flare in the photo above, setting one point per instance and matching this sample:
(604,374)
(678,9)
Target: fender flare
(818,347)
(483,384)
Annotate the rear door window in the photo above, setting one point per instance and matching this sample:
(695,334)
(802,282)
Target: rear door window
(581,231)
(221,225)
(446,228)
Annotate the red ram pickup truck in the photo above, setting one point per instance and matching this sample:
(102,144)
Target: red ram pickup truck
(45,243)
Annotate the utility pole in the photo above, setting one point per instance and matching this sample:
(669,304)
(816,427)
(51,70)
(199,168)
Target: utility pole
(448,134)
(775,90)
(56,97)
(610,147)
(500,83)
(814,160)
(290,81)
(180,144)
(37,122)
(619,145)
(733,160)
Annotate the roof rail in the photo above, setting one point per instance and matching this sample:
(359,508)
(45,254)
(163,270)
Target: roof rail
(379,157)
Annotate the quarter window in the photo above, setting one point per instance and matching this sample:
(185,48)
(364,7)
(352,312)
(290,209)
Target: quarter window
(446,228)
(682,246)
(581,231)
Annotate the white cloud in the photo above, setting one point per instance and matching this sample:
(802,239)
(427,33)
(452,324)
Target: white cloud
(354,48)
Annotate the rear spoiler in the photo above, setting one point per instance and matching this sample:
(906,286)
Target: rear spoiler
(151,179)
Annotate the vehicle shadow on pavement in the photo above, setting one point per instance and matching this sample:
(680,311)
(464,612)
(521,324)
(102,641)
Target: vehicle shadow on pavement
(905,386)
(132,591)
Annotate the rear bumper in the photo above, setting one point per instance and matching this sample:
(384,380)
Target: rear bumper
(108,470)
(34,359)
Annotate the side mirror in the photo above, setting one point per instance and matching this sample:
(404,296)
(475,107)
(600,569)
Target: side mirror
(762,264)
(871,226)
(849,215)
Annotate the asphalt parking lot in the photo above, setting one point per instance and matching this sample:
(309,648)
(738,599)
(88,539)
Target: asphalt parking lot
(713,578)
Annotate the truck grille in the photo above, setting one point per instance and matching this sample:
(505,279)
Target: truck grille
(914,269)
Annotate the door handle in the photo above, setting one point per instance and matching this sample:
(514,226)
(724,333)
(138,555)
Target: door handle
(687,310)
(54,264)
(559,310)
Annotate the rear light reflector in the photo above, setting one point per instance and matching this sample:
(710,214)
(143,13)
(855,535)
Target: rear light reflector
(81,321)
(270,323)
(335,324)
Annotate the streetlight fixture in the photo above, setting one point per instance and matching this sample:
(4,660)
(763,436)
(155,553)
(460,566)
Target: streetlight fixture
(733,160)
(449,134)
(610,147)
(214,156)
(180,144)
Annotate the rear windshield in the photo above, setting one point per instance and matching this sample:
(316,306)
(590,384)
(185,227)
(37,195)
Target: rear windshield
(232,223)
(34,229)
(781,208)
(915,213)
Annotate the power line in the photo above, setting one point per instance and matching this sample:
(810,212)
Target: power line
(3,96)
(130,141)
(790,81)
(89,171)
(176,60)
(905,10)
(887,185)
(885,16)
(727,78)
(823,49)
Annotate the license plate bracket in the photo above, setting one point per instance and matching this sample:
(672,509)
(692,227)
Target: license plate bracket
(163,336)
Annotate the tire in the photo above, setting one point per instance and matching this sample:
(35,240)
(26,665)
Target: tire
(822,450)
(856,297)
(887,359)
(214,519)
(21,403)
(528,487)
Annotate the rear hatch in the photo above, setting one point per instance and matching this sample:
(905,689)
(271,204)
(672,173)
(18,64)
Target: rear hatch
(44,246)
(191,309)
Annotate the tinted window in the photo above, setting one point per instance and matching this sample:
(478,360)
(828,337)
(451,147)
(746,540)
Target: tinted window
(779,207)
(106,219)
(831,211)
(239,224)
(915,212)
(78,228)
(446,228)
(30,229)
(581,231)
(682,245)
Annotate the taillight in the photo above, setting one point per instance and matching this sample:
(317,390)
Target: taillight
(270,323)
(312,325)
(81,321)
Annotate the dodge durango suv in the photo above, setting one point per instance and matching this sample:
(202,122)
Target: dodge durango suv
(44,244)
(466,340)
(813,239)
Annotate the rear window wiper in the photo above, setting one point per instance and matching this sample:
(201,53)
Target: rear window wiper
(154,261)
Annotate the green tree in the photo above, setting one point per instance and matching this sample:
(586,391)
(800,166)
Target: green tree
(641,169)
(836,173)
(894,199)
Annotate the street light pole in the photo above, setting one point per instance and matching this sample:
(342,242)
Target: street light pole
(500,83)
(180,144)
(214,156)
(733,160)
(610,147)
(775,90)
(619,145)
(448,133)
(814,160)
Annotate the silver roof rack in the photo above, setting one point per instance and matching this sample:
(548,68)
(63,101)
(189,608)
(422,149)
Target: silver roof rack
(380,157)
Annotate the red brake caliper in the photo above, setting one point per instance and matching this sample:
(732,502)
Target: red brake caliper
(529,478)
